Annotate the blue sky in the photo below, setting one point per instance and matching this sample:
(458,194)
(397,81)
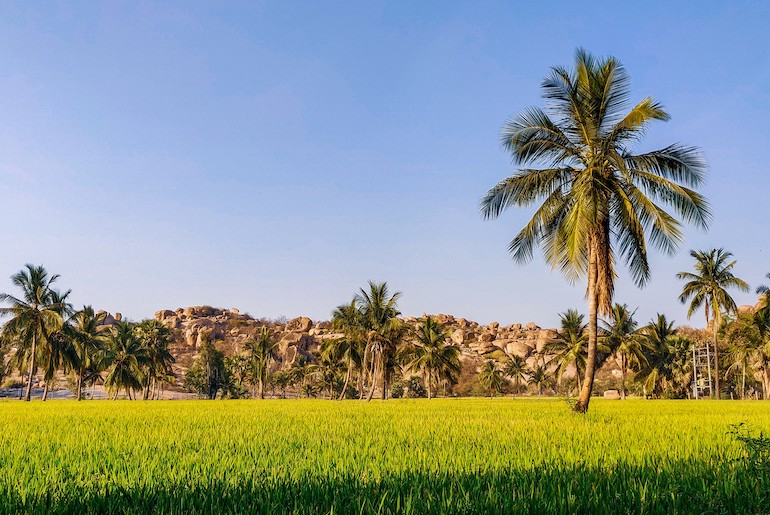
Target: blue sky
(276,156)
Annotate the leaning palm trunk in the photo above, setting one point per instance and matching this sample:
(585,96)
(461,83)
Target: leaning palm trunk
(384,379)
(31,366)
(45,391)
(374,380)
(146,395)
(716,354)
(80,384)
(593,305)
(743,383)
(347,379)
(622,377)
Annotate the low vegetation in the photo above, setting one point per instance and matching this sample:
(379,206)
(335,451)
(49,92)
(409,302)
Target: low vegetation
(412,456)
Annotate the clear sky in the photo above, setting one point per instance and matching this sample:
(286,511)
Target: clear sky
(275,156)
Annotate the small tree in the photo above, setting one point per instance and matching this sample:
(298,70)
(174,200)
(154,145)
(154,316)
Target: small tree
(540,378)
(490,378)
(261,353)
(516,369)
(415,388)
(208,375)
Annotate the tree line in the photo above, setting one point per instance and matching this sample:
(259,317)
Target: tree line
(48,335)
(378,352)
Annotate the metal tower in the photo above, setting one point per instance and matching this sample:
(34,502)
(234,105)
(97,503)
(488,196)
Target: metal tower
(701,371)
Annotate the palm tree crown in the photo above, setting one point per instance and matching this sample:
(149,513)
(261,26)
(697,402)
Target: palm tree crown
(433,355)
(35,316)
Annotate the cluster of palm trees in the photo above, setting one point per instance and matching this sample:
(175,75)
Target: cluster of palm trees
(47,335)
(378,347)
(657,355)
(375,350)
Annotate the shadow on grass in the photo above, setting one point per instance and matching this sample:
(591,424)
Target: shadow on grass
(681,488)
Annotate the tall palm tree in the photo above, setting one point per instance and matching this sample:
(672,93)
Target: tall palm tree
(35,316)
(516,369)
(433,355)
(379,310)
(707,289)
(261,352)
(89,337)
(127,356)
(490,378)
(597,195)
(155,338)
(58,349)
(620,333)
(540,378)
(348,319)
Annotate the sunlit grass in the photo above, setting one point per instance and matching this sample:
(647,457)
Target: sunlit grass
(418,456)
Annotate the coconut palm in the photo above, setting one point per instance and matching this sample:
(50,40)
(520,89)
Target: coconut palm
(657,372)
(433,355)
(707,289)
(540,378)
(761,359)
(57,351)
(379,310)
(490,378)
(741,353)
(155,338)
(598,198)
(89,337)
(127,356)
(283,379)
(516,369)
(261,351)
(302,371)
(35,316)
(750,334)
(764,293)
(621,337)
(569,348)
(348,319)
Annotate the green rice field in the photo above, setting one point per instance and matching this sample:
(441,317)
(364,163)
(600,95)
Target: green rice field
(399,456)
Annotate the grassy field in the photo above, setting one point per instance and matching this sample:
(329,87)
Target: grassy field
(403,456)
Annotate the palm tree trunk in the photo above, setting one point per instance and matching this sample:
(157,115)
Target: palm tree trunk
(374,380)
(716,353)
(147,389)
(743,383)
(384,379)
(429,381)
(31,366)
(347,379)
(80,384)
(622,377)
(261,387)
(45,391)
(593,305)
(360,382)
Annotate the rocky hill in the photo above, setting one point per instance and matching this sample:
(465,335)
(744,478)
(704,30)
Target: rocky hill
(231,329)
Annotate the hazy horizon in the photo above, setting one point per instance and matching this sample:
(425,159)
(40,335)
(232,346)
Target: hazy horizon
(275,157)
